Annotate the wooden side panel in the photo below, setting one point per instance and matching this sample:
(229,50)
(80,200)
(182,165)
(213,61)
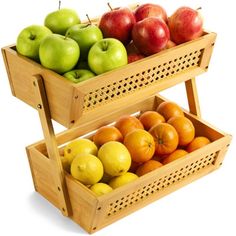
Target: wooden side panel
(21,71)
(206,56)
(42,175)
(8,70)
(59,91)
(83,203)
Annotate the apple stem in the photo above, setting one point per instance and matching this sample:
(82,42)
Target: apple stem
(90,23)
(109,5)
(59,5)
(199,8)
(32,36)
(104,46)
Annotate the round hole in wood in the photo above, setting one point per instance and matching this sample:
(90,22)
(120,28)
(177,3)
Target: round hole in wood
(39,106)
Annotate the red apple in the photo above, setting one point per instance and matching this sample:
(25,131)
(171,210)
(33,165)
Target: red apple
(148,10)
(134,57)
(185,25)
(150,35)
(118,23)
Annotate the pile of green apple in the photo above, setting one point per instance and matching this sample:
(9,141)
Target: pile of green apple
(71,48)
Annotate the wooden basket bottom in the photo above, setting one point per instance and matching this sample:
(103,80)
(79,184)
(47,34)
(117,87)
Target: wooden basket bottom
(92,212)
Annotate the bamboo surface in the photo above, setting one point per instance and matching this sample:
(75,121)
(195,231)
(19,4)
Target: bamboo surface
(51,145)
(86,106)
(93,213)
(72,104)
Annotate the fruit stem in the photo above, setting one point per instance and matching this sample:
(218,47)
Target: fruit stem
(109,5)
(90,23)
(77,75)
(32,36)
(199,8)
(104,46)
(59,5)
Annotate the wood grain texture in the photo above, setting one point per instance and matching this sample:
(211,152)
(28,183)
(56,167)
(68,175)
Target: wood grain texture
(94,213)
(192,96)
(51,145)
(73,104)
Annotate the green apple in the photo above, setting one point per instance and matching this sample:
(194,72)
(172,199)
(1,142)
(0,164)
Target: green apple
(29,39)
(59,53)
(107,54)
(85,35)
(61,20)
(79,75)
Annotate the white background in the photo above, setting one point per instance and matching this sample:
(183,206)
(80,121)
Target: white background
(205,207)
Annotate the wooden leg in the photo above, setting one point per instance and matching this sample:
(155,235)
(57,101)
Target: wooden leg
(192,96)
(51,144)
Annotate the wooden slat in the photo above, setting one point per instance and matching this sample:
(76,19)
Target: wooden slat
(192,95)
(51,144)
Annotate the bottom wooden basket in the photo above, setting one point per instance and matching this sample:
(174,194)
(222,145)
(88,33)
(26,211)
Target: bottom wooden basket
(91,212)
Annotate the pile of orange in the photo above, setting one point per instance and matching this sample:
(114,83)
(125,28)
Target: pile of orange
(155,138)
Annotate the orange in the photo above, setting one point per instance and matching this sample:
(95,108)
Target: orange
(184,128)
(140,144)
(169,109)
(106,134)
(151,118)
(126,124)
(197,143)
(165,137)
(148,167)
(174,156)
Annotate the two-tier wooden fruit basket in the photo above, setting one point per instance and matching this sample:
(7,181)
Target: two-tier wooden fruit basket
(86,106)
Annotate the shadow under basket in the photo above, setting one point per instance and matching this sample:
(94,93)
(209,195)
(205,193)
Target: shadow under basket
(93,213)
(72,104)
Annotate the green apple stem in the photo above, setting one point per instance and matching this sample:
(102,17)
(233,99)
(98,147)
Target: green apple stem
(109,5)
(77,75)
(59,5)
(90,22)
(105,46)
(32,36)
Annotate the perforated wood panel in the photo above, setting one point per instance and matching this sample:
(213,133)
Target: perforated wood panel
(158,185)
(142,79)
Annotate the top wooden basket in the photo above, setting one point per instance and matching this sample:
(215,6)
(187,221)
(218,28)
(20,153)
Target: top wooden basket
(73,104)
